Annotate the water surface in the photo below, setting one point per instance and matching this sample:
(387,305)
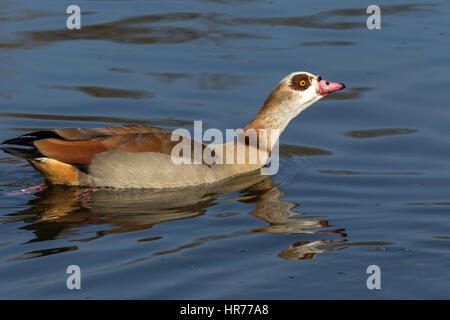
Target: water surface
(363,173)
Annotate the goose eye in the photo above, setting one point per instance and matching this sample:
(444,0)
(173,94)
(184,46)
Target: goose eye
(300,82)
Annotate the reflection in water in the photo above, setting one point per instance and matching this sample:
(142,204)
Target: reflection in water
(42,253)
(10,160)
(305,250)
(59,211)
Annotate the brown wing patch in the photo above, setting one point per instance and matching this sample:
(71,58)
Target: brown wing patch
(130,129)
(82,152)
(92,133)
(56,172)
(75,152)
(79,134)
(143,142)
(148,142)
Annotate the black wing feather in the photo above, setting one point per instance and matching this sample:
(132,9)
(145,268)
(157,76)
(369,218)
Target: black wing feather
(28,138)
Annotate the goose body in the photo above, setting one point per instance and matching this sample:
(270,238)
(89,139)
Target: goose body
(142,157)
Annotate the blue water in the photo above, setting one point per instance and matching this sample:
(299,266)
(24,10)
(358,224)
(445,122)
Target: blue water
(363,176)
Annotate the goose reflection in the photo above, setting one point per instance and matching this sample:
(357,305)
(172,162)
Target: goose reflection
(59,211)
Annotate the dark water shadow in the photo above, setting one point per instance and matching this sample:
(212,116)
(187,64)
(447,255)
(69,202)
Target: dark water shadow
(16,12)
(143,29)
(375,133)
(103,92)
(201,27)
(331,19)
(59,211)
(327,43)
(201,80)
(428,203)
(10,12)
(289,150)
(351,93)
(382,173)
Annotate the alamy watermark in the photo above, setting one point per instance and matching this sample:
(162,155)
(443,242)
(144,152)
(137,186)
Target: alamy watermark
(74,20)
(246,147)
(374,280)
(74,280)
(374,20)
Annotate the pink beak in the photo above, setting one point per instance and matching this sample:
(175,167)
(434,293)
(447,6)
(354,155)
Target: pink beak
(326,87)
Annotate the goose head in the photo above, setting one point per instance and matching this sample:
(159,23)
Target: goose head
(293,94)
(298,90)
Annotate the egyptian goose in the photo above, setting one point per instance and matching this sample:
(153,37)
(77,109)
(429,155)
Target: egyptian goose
(141,157)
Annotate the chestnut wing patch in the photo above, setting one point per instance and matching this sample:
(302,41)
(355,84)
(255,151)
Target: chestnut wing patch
(82,152)
(91,133)
(79,146)
(73,152)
